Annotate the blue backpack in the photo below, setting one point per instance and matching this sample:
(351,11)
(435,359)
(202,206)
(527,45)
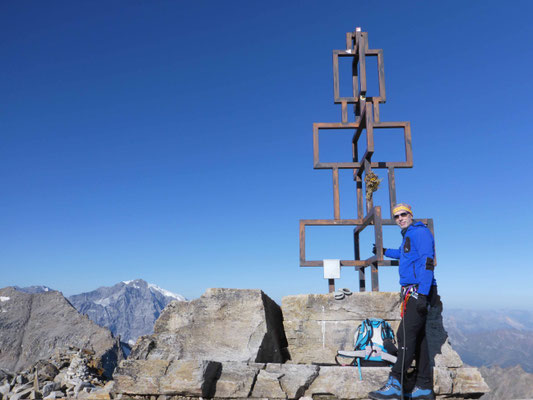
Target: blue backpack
(374,341)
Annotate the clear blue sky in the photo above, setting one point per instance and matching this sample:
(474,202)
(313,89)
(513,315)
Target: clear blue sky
(172,141)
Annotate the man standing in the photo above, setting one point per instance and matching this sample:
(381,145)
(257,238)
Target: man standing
(419,288)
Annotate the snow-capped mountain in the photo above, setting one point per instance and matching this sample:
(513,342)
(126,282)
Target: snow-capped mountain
(33,289)
(128,309)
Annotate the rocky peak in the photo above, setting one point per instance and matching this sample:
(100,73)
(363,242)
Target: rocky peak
(129,309)
(33,326)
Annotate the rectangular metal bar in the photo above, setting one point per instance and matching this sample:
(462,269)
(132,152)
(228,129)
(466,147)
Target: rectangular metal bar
(331,285)
(369,125)
(375,277)
(336,89)
(350,263)
(357,257)
(315,145)
(369,201)
(362,64)
(378,232)
(359,193)
(331,222)
(302,242)
(408,145)
(336,207)
(344,112)
(375,106)
(392,190)
(351,165)
(381,77)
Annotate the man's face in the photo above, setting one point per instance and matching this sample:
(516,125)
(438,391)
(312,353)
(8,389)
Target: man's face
(403,219)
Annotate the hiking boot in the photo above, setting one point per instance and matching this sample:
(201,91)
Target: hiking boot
(420,394)
(391,390)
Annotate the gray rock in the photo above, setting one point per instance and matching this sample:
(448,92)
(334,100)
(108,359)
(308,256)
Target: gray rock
(32,326)
(50,387)
(317,325)
(180,377)
(55,395)
(221,325)
(139,376)
(82,386)
(5,388)
(21,379)
(268,386)
(236,379)
(46,371)
(442,380)
(20,388)
(190,378)
(344,383)
(23,394)
(469,381)
(295,379)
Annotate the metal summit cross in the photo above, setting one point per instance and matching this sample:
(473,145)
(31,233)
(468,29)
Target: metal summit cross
(367,118)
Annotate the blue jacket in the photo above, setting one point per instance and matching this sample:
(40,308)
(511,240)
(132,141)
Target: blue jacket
(416,255)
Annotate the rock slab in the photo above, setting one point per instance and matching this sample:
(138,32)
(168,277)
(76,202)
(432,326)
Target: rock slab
(317,325)
(32,326)
(222,325)
(195,378)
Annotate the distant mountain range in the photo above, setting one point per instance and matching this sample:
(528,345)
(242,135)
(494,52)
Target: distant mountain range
(501,338)
(128,309)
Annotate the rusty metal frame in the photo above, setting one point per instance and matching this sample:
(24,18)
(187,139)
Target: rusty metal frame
(405,125)
(357,48)
(367,118)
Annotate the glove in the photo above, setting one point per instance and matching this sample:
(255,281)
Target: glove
(374,249)
(422,304)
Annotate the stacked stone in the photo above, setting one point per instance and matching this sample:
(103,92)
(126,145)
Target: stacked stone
(67,373)
(236,344)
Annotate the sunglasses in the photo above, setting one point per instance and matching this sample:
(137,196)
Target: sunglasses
(404,214)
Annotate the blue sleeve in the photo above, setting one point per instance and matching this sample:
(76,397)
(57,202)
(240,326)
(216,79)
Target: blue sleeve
(425,246)
(392,253)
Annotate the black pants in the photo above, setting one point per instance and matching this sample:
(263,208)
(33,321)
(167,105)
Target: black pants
(413,345)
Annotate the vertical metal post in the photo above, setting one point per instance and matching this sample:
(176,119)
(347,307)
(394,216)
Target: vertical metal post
(392,190)
(336,206)
(378,237)
(331,285)
(357,256)
(369,202)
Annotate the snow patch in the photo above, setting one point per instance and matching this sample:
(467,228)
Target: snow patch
(3,298)
(103,302)
(166,293)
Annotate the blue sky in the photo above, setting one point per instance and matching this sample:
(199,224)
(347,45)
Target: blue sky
(172,141)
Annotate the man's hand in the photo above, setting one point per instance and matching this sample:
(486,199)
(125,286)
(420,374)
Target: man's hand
(422,304)
(374,249)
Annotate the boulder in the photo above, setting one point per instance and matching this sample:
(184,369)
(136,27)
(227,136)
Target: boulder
(236,379)
(221,325)
(195,378)
(317,325)
(294,379)
(32,326)
(469,380)
(268,386)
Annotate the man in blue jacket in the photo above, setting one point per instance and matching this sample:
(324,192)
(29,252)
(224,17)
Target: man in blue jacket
(419,288)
